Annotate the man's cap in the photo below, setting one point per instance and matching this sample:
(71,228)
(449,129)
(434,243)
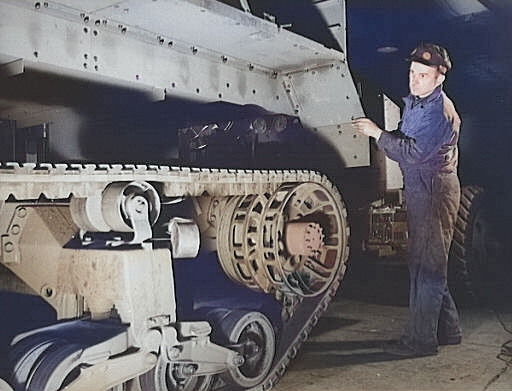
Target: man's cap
(432,55)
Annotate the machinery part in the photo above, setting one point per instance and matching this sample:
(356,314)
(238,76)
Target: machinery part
(53,367)
(279,123)
(269,124)
(169,376)
(86,214)
(25,354)
(252,240)
(238,240)
(304,239)
(4,386)
(113,374)
(387,231)
(188,360)
(476,265)
(284,196)
(252,335)
(259,125)
(122,207)
(123,203)
(185,238)
(49,358)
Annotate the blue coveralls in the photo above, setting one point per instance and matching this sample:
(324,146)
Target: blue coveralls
(425,146)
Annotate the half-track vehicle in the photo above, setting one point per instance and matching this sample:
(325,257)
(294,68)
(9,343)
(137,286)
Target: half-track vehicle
(174,185)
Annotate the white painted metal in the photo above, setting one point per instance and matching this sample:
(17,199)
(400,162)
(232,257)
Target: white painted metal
(185,237)
(333,11)
(394,178)
(201,50)
(351,145)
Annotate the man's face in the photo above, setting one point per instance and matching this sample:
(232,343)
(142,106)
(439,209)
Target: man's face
(423,79)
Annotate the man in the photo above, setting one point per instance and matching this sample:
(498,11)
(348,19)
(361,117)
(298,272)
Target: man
(425,146)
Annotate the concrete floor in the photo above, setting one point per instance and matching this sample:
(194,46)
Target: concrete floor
(344,351)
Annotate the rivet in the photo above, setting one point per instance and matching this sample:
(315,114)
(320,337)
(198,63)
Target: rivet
(9,247)
(47,291)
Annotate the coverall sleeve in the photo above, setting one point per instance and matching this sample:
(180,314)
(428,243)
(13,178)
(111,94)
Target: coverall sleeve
(428,139)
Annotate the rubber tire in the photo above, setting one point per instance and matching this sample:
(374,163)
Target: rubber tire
(237,326)
(475,262)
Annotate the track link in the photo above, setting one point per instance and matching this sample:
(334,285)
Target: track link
(29,182)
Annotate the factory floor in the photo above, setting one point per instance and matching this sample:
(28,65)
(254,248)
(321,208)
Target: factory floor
(345,352)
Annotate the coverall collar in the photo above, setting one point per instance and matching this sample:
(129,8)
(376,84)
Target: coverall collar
(414,100)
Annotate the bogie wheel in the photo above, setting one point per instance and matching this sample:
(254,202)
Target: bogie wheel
(475,264)
(168,376)
(46,367)
(50,358)
(252,335)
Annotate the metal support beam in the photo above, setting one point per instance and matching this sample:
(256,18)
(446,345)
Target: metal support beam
(13,68)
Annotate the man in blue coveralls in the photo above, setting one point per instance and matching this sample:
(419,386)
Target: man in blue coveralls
(425,146)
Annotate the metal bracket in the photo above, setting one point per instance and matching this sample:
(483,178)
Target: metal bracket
(137,209)
(16,67)
(245,6)
(196,347)
(10,239)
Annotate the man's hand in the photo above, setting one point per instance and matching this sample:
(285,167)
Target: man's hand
(367,127)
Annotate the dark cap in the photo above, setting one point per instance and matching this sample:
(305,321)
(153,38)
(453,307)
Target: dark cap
(432,55)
